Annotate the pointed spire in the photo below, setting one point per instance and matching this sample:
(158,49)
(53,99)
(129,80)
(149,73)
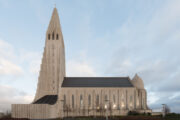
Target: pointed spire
(54,25)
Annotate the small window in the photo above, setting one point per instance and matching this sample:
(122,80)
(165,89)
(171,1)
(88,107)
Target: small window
(49,36)
(89,100)
(72,101)
(53,36)
(57,36)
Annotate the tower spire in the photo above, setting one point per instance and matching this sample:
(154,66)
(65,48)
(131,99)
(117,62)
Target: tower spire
(52,70)
(54,25)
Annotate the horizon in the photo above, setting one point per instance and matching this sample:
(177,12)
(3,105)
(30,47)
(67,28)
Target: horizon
(102,38)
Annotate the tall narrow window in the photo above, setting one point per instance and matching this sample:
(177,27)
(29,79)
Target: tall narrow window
(57,36)
(49,36)
(97,100)
(126,99)
(64,100)
(89,100)
(105,98)
(114,99)
(81,101)
(143,103)
(131,98)
(122,101)
(72,101)
(53,36)
(141,100)
(131,101)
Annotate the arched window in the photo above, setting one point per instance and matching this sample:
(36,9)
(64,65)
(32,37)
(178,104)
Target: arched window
(53,36)
(49,36)
(57,36)
(72,101)
(81,101)
(97,100)
(89,100)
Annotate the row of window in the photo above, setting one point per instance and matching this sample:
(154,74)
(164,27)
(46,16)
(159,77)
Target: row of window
(89,100)
(53,36)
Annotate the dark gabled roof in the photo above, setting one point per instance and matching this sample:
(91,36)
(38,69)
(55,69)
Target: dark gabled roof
(97,82)
(47,99)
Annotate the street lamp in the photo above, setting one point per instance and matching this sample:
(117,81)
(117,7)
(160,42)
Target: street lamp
(163,110)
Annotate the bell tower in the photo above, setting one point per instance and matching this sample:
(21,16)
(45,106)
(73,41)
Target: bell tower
(52,71)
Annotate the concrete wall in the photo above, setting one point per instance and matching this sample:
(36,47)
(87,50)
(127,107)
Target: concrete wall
(52,70)
(33,111)
(125,100)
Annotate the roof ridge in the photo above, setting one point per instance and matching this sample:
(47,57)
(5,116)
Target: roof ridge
(97,77)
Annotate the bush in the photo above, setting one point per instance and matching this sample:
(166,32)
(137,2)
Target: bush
(7,115)
(149,114)
(172,114)
(133,113)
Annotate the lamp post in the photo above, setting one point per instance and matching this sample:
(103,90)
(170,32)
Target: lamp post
(106,107)
(163,110)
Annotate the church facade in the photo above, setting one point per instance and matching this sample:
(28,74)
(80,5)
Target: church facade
(59,96)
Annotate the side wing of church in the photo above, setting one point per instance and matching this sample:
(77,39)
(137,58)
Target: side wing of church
(59,96)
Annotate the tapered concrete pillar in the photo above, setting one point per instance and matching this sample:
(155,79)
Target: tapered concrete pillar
(52,71)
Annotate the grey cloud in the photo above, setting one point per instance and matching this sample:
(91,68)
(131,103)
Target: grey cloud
(152,52)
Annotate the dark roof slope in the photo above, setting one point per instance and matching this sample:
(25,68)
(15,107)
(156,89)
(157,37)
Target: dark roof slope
(97,82)
(47,99)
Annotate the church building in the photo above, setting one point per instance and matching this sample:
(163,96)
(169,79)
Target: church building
(58,96)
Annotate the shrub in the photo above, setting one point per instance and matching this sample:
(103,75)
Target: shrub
(149,114)
(133,113)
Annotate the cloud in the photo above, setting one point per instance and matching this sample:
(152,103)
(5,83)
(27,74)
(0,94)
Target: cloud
(16,65)
(15,62)
(9,68)
(7,65)
(32,61)
(150,48)
(10,95)
(80,69)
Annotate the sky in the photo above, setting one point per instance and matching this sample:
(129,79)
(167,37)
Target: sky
(102,38)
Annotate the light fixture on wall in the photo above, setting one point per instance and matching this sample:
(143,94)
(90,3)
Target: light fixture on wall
(122,104)
(105,106)
(114,106)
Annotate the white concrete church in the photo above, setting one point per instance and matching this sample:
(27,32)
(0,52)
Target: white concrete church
(59,96)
